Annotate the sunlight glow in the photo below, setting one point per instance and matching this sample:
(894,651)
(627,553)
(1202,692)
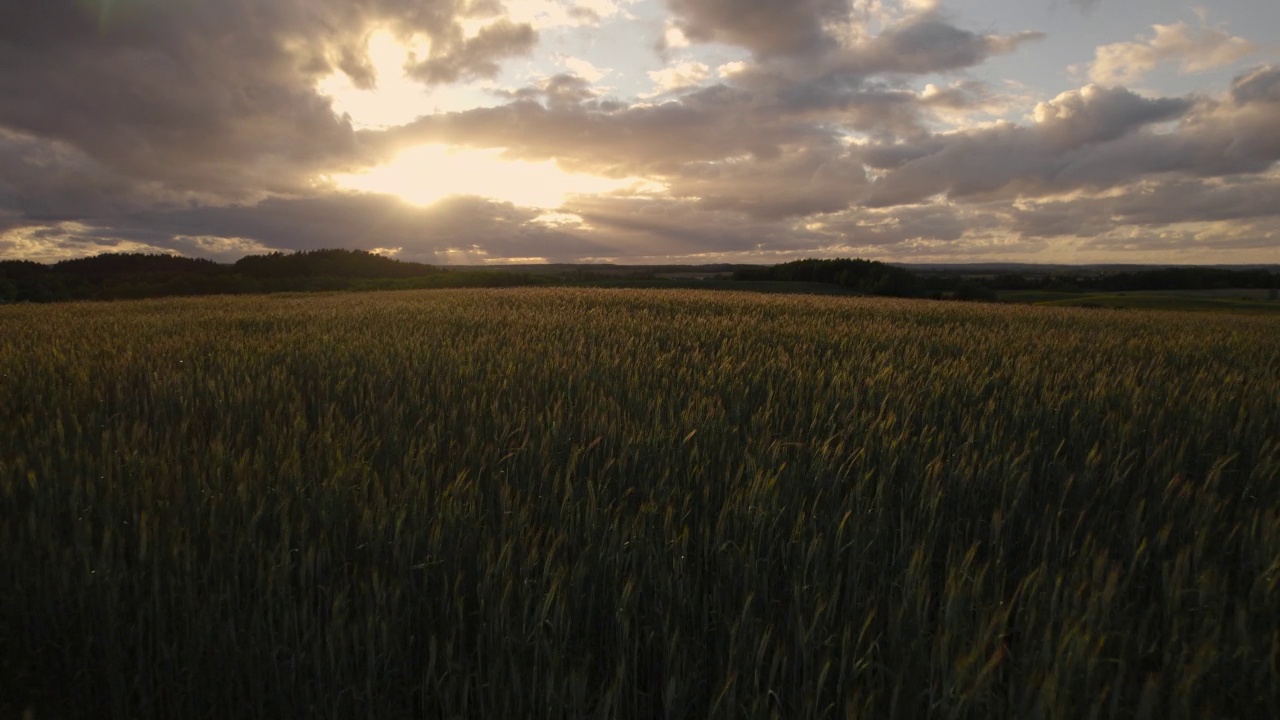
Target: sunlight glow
(63,241)
(544,14)
(537,260)
(557,219)
(428,173)
(397,99)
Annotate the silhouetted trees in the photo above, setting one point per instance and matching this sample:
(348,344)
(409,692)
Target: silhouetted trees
(329,263)
(867,276)
(1188,278)
(1173,278)
(135,265)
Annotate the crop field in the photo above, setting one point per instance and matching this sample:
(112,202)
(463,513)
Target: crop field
(570,503)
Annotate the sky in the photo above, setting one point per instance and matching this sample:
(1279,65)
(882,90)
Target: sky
(643,131)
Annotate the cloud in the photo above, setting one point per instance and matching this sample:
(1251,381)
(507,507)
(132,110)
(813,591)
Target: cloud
(689,73)
(1259,86)
(363,221)
(729,69)
(584,69)
(958,102)
(1216,137)
(1153,203)
(758,109)
(1092,165)
(927,43)
(1054,153)
(648,229)
(1191,49)
(46,180)
(1093,114)
(49,243)
(917,45)
(673,37)
(798,182)
(665,140)
(935,230)
(611,138)
(765,27)
(367,221)
(921,42)
(456,57)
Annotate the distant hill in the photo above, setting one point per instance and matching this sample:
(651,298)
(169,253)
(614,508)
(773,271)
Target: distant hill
(137,275)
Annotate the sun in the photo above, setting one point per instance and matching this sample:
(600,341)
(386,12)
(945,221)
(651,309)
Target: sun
(428,173)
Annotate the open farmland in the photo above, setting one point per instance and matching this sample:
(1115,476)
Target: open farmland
(636,504)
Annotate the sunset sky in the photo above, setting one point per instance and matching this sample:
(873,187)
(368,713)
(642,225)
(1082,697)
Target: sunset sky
(643,131)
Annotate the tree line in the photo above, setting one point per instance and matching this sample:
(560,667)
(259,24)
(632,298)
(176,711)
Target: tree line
(877,278)
(115,276)
(138,275)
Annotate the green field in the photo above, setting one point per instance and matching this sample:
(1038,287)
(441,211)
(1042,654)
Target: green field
(546,503)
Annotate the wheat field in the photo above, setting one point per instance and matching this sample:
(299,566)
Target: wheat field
(569,503)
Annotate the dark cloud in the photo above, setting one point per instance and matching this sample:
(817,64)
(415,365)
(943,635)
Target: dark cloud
(1155,204)
(1093,114)
(561,91)
(964,95)
(370,221)
(1214,138)
(211,95)
(927,43)
(640,228)
(766,27)
(806,39)
(1240,241)
(1055,153)
(477,57)
(451,230)
(1262,85)
(919,44)
(796,183)
(605,138)
(667,227)
(45,180)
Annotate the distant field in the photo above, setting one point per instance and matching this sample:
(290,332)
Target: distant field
(537,503)
(1225,293)
(674,282)
(1250,300)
